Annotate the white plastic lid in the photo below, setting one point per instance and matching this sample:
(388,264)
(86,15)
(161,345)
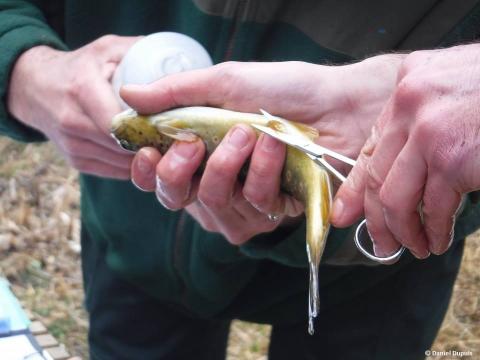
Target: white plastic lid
(156,56)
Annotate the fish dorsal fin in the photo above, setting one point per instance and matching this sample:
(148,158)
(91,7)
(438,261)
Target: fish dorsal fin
(176,133)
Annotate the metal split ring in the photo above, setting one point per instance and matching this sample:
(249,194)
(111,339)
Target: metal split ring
(364,243)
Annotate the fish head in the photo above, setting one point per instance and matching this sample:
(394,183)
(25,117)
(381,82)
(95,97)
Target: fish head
(132,131)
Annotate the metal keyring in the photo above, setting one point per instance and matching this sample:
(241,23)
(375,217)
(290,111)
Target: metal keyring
(362,235)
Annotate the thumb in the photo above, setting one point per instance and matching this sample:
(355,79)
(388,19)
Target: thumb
(347,206)
(196,87)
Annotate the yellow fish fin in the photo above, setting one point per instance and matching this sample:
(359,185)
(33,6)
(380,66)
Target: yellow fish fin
(288,127)
(176,133)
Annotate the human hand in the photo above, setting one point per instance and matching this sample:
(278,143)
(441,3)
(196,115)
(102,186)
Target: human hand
(68,97)
(423,152)
(341,102)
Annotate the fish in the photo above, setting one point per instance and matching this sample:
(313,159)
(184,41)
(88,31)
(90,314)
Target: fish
(301,178)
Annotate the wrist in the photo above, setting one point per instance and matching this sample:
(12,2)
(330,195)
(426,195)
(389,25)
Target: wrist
(379,71)
(23,82)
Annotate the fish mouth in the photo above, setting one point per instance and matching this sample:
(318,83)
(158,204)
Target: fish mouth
(125,145)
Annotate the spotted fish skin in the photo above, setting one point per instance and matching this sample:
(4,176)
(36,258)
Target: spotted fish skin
(301,177)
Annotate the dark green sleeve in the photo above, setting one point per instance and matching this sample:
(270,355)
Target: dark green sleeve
(22,26)
(288,245)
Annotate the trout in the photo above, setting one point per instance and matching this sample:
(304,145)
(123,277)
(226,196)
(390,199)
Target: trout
(301,177)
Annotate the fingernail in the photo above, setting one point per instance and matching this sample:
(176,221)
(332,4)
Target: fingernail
(137,186)
(184,151)
(420,256)
(337,209)
(269,143)
(162,195)
(378,252)
(238,138)
(188,192)
(144,165)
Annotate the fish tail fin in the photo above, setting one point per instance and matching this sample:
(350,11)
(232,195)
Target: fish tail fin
(317,211)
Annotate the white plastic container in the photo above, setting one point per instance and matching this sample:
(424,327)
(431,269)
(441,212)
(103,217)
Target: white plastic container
(156,56)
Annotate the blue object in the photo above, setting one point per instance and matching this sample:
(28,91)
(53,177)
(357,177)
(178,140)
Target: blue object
(12,316)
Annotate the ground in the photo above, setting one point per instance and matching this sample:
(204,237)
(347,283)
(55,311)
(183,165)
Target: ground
(39,254)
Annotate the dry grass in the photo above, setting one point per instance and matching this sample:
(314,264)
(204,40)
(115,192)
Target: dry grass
(39,253)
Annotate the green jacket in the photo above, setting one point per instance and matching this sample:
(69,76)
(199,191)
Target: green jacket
(167,253)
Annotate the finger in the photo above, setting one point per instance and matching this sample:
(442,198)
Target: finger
(202,216)
(440,205)
(401,195)
(100,169)
(262,186)
(175,172)
(258,221)
(91,132)
(240,220)
(392,136)
(77,124)
(143,168)
(80,148)
(348,204)
(100,105)
(377,168)
(181,89)
(223,166)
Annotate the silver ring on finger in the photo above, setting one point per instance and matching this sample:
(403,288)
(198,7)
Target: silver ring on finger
(273,217)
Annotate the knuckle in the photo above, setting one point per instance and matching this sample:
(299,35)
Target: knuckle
(374,181)
(258,199)
(389,205)
(212,201)
(440,142)
(409,93)
(261,170)
(226,81)
(227,70)
(66,120)
(426,127)
(75,87)
(409,63)
(222,166)
(104,41)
